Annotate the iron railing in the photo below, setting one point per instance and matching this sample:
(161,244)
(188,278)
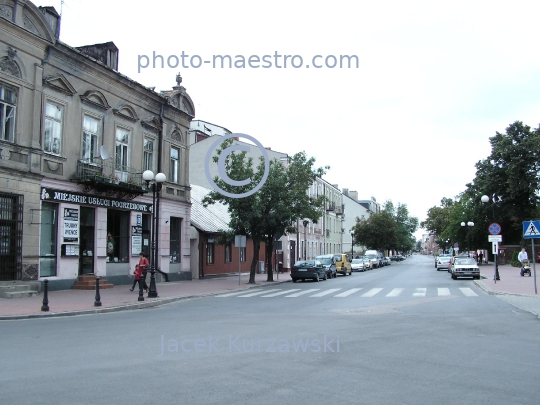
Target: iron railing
(11,236)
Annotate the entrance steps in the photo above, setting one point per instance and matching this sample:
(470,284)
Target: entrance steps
(19,289)
(88,282)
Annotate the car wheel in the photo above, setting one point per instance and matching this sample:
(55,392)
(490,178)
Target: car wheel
(303,279)
(325,277)
(294,280)
(454,277)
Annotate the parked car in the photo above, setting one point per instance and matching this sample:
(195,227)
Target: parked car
(376,258)
(343,266)
(397,258)
(463,266)
(443,262)
(441,255)
(329,264)
(367,263)
(308,269)
(358,265)
(387,261)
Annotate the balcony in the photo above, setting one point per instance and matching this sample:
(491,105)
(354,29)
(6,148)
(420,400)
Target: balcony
(107,178)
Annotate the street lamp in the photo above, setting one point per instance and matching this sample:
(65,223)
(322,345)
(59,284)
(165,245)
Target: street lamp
(305,222)
(468,225)
(352,245)
(156,186)
(485,200)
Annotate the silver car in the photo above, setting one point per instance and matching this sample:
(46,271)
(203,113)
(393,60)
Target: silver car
(358,265)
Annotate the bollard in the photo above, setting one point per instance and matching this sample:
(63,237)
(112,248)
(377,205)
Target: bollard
(97,302)
(45,306)
(141,291)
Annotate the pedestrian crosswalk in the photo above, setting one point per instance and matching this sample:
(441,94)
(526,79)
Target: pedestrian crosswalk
(341,293)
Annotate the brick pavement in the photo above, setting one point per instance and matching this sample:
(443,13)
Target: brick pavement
(81,302)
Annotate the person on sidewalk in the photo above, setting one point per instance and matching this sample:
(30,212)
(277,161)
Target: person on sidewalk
(140,271)
(521,257)
(481,258)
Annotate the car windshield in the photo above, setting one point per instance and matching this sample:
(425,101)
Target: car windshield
(371,256)
(305,263)
(465,260)
(357,261)
(325,260)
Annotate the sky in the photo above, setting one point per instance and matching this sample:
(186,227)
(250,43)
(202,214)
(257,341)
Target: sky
(407,123)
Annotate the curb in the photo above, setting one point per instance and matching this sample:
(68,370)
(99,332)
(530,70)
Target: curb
(127,307)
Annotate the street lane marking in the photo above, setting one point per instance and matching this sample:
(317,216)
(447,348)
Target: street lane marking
(420,292)
(280,293)
(301,293)
(321,294)
(372,292)
(347,293)
(441,292)
(468,292)
(231,294)
(395,292)
(259,293)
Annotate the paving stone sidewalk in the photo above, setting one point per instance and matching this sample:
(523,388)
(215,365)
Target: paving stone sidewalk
(119,298)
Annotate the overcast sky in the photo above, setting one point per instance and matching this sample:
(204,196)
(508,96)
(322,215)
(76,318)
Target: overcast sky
(435,79)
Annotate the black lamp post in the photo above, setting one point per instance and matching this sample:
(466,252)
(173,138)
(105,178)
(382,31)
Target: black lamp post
(485,200)
(305,223)
(468,225)
(156,185)
(352,245)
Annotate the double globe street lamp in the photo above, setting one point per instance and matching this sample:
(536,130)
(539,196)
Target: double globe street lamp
(468,225)
(157,184)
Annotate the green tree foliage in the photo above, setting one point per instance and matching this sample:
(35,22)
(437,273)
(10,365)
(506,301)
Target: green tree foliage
(272,210)
(379,232)
(406,225)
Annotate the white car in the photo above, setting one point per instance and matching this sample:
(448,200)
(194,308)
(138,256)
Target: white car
(464,267)
(443,262)
(358,265)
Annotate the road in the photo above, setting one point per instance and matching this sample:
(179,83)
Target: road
(402,334)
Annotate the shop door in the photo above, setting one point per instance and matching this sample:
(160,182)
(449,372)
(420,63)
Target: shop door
(292,252)
(87,250)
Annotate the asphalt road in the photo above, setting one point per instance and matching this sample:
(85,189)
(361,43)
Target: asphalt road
(403,334)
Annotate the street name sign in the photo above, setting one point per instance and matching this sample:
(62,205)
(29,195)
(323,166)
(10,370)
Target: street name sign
(531,229)
(495,238)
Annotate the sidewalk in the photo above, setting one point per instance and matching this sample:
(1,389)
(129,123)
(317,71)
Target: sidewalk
(119,298)
(512,288)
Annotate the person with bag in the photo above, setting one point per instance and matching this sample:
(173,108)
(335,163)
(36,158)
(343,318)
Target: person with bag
(140,272)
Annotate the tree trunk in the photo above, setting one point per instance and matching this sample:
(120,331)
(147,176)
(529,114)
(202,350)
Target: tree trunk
(269,251)
(255,261)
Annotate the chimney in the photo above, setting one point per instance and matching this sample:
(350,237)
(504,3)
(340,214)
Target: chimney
(353,195)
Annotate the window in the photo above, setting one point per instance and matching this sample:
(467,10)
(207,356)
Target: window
(174,165)
(90,138)
(122,153)
(242,254)
(117,243)
(210,251)
(175,239)
(8,99)
(53,128)
(148,154)
(47,240)
(228,256)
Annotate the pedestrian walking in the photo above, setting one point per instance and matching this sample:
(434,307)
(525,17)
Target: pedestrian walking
(481,258)
(522,256)
(140,272)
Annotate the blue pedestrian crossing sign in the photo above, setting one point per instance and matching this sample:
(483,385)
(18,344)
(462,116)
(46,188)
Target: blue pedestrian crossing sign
(531,229)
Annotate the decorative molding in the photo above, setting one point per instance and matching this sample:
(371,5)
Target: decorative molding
(177,134)
(95,98)
(5,154)
(152,123)
(126,111)
(52,166)
(6,12)
(60,83)
(10,67)
(29,25)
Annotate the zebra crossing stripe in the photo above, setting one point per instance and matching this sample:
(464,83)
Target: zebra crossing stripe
(258,293)
(322,294)
(441,292)
(347,293)
(372,292)
(419,292)
(395,292)
(280,293)
(231,294)
(301,293)
(468,292)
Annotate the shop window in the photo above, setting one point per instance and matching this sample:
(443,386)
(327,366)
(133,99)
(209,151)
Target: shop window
(90,139)
(53,128)
(175,239)
(228,256)
(118,236)
(47,240)
(210,251)
(8,100)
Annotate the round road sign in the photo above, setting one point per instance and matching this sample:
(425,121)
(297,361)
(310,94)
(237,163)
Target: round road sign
(494,228)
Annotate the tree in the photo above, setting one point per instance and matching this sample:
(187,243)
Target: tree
(406,225)
(275,207)
(379,232)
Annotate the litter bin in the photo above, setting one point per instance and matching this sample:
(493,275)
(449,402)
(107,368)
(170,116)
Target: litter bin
(260,269)
(280,267)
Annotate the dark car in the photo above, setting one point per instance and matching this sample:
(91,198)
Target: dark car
(329,264)
(308,269)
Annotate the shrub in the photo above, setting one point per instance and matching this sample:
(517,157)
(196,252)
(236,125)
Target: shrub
(515,262)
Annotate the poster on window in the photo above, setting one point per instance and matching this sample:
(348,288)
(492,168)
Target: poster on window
(136,240)
(71,224)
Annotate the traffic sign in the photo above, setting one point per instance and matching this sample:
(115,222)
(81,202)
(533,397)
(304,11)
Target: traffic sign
(495,238)
(531,229)
(494,248)
(494,228)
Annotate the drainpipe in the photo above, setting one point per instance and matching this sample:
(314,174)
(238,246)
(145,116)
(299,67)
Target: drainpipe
(160,145)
